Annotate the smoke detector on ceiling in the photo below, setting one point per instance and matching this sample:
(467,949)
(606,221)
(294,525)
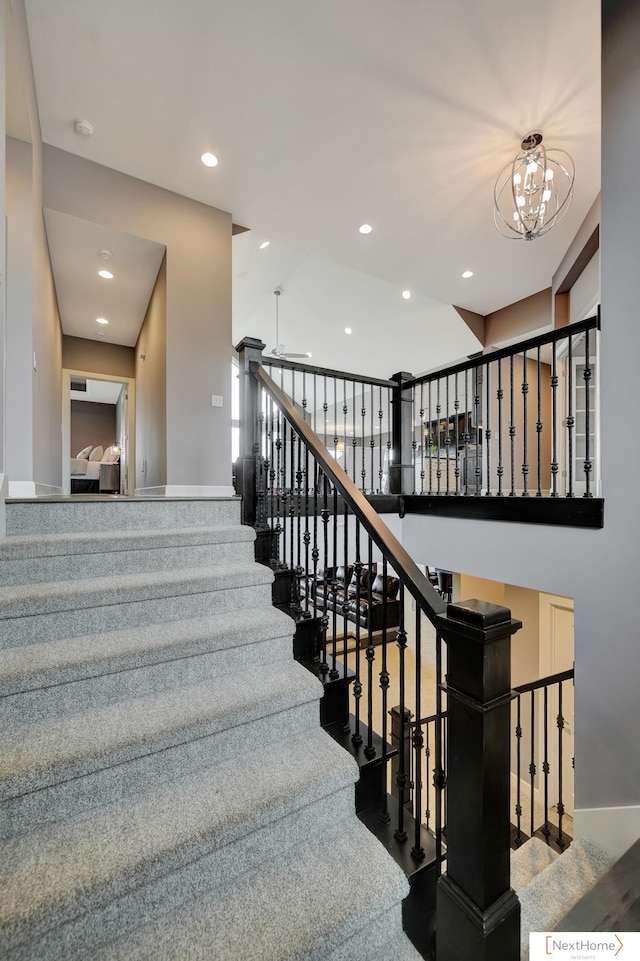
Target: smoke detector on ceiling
(83,127)
(105,254)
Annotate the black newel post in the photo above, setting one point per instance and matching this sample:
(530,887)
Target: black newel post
(250,349)
(401,467)
(477,913)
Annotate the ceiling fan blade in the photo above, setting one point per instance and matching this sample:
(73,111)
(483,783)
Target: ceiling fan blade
(295,355)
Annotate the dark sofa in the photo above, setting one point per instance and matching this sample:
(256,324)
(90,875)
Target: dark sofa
(338,587)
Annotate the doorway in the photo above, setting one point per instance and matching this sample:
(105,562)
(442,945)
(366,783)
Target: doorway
(111,427)
(557,649)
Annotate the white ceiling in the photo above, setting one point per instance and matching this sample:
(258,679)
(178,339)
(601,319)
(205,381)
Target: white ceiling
(326,115)
(98,392)
(83,296)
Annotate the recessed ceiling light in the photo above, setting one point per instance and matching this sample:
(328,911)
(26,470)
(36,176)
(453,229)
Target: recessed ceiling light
(265,243)
(347,330)
(106,274)
(406,294)
(365,228)
(209,160)
(101,320)
(467,273)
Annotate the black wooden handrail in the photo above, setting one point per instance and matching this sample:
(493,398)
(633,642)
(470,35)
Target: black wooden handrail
(271,361)
(552,336)
(407,570)
(545,682)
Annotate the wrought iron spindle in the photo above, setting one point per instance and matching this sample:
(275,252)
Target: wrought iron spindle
(532,762)
(438,771)
(388,435)
(334,673)
(345,411)
(500,396)
(476,423)
(465,435)
(417,851)
(324,514)
(372,443)
(431,421)
(447,436)
(456,410)
(554,422)
(315,404)
(560,720)
(299,478)
(356,737)
(586,373)
(518,772)
(370,750)
(545,763)
(354,439)
(539,428)
(384,687)
(512,430)
(306,537)
(292,512)
(315,551)
(438,410)
(570,421)
(363,415)
(427,758)
(423,438)
(380,416)
(285,495)
(401,778)
(325,408)
(278,504)
(335,419)
(487,425)
(525,397)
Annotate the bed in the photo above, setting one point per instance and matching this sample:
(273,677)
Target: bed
(85,468)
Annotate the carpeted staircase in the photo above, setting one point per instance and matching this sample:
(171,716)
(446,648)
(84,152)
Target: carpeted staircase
(166,790)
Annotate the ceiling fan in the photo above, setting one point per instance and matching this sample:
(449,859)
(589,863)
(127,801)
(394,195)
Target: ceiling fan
(279,350)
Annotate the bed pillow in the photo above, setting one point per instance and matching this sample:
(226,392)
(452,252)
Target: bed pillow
(111,456)
(84,453)
(96,453)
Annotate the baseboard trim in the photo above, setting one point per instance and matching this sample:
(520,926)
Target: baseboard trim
(22,489)
(4,493)
(48,490)
(186,490)
(615,829)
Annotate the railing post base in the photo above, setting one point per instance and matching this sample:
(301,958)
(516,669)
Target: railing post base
(477,913)
(464,931)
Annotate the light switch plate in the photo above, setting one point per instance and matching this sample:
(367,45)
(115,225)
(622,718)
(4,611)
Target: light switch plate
(216,400)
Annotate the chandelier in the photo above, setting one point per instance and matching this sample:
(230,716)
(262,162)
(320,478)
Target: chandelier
(533,192)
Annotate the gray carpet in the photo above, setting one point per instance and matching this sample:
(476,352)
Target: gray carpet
(166,789)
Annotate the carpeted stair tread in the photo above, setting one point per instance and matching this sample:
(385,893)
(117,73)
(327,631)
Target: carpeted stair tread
(53,751)
(57,873)
(99,542)
(529,860)
(56,662)
(295,908)
(548,897)
(31,600)
(71,514)
(62,557)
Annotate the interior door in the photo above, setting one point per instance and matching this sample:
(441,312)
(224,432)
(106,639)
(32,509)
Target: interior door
(557,651)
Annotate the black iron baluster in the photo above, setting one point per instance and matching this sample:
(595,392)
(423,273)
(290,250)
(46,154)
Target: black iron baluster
(414,439)
(307,534)
(272,486)
(554,423)
(315,405)
(417,851)
(356,737)
(560,840)
(539,429)
(545,763)
(335,419)
(487,424)
(383,814)
(285,495)
(423,438)
(500,396)
(380,416)
(401,777)
(370,750)
(292,512)
(388,437)
(324,514)
(372,443)
(431,421)
(304,395)
(345,411)
(334,672)
(587,386)
(438,771)
(456,409)
(299,479)
(477,428)
(438,410)
(532,763)
(518,772)
(345,601)
(427,758)
(447,436)
(363,415)
(466,434)
(278,506)
(512,430)
(325,408)
(354,439)
(525,397)
(570,421)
